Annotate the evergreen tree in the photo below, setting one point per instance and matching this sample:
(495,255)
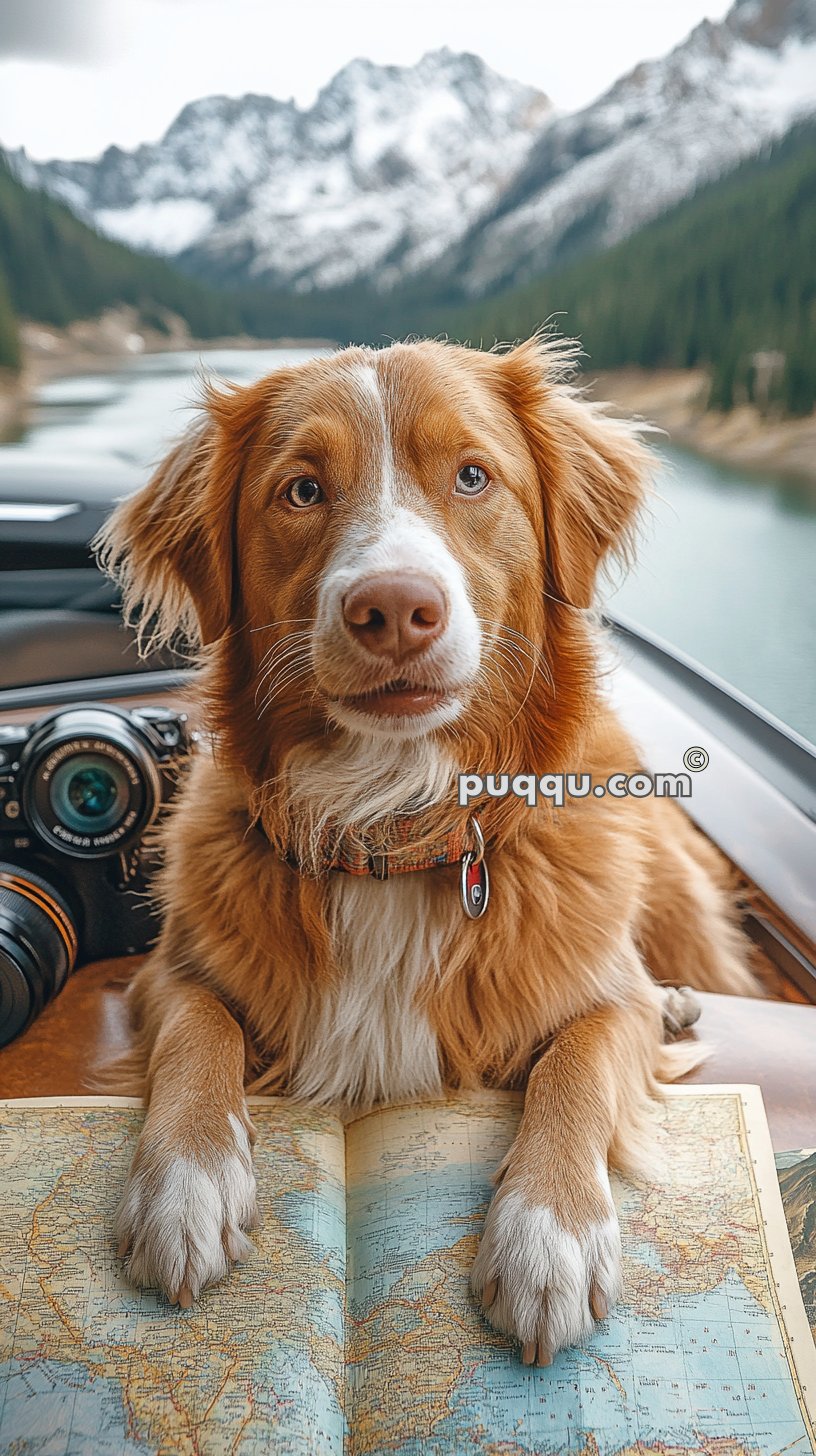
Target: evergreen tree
(727,275)
(55,270)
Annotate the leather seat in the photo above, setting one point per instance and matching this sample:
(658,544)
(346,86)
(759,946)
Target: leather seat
(59,646)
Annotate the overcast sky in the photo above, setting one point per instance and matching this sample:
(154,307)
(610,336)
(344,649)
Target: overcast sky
(76,75)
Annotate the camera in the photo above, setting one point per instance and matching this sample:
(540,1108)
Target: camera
(79,788)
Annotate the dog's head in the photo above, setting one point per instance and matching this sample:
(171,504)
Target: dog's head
(395,543)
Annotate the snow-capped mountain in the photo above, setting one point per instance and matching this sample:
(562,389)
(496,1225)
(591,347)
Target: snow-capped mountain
(445,169)
(668,126)
(388,168)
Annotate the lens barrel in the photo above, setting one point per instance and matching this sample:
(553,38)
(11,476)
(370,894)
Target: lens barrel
(38,947)
(90,782)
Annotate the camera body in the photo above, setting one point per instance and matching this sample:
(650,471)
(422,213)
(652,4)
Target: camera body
(79,789)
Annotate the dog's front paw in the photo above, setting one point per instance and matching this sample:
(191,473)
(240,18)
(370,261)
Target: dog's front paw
(186,1206)
(539,1282)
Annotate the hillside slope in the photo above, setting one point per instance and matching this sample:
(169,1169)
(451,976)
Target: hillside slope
(386,170)
(659,133)
(726,279)
(54,269)
(445,168)
(9,335)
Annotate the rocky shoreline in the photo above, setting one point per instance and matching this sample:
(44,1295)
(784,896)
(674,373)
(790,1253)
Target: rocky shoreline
(675,400)
(672,399)
(103,345)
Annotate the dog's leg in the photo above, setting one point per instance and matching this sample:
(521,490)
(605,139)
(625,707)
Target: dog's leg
(549,1261)
(190,1193)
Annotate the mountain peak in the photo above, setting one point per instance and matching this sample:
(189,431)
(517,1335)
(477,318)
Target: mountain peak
(441,67)
(667,127)
(388,167)
(221,110)
(445,166)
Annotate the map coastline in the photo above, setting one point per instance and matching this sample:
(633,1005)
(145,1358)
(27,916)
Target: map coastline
(352,1330)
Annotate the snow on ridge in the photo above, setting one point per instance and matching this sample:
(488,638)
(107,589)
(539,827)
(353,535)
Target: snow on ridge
(394,169)
(780,83)
(167,226)
(680,123)
(387,160)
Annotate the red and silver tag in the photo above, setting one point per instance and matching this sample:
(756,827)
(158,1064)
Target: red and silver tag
(475,881)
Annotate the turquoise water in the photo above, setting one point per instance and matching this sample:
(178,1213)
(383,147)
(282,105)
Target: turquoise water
(727,572)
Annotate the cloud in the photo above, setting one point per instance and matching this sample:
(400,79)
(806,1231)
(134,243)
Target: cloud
(52,30)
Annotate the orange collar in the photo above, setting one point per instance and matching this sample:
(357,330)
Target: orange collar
(359,856)
(464,847)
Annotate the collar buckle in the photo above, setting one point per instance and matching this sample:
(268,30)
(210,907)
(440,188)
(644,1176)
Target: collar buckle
(378,866)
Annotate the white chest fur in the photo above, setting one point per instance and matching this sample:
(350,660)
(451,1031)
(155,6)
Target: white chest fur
(369,1041)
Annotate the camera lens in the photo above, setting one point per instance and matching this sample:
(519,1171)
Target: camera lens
(91,786)
(90,791)
(38,947)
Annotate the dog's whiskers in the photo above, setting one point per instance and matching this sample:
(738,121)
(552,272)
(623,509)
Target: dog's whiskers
(511,652)
(535,651)
(289,674)
(493,665)
(293,645)
(281,622)
(517,646)
(491,670)
(289,639)
(295,652)
(501,650)
(289,658)
(272,688)
(528,690)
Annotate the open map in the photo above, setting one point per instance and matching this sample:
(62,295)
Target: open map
(352,1330)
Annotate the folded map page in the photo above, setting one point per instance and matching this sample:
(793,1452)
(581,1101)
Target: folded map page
(352,1330)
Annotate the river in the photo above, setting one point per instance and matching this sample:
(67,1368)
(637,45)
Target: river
(727,565)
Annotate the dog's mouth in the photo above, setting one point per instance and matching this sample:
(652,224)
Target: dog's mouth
(398,698)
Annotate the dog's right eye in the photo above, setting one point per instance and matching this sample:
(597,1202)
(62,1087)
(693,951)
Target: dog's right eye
(304,491)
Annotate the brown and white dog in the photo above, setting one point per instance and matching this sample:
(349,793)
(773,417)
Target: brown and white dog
(388,558)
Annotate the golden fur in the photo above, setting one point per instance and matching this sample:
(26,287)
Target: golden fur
(591,903)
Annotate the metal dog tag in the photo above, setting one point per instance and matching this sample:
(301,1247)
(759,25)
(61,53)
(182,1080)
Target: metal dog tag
(475,886)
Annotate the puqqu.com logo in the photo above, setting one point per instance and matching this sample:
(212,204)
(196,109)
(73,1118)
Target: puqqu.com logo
(557,788)
(695,760)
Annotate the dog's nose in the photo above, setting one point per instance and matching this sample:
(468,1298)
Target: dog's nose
(395,614)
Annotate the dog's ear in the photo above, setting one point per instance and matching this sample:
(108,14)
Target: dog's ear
(593,470)
(171,546)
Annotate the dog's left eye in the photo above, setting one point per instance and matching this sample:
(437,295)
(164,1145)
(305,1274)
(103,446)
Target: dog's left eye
(304,491)
(471,480)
